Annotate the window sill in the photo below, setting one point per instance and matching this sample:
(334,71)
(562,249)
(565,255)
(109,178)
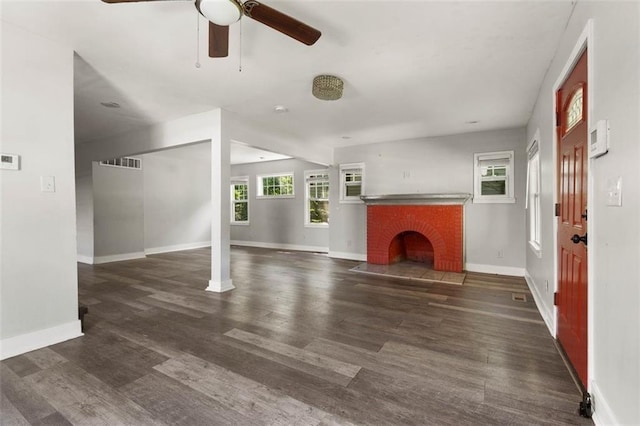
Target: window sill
(241,223)
(352,201)
(536,249)
(273,197)
(316,225)
(486,200)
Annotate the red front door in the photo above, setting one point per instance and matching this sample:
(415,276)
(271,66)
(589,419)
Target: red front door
(572,223)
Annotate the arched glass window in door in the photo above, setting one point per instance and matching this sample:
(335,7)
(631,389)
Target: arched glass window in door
(574,109)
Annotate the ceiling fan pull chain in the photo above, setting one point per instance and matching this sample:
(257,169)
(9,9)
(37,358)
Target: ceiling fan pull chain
(240,48)
(198,40)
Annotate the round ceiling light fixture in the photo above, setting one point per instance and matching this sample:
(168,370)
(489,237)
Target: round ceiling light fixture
(327,87)
(220,12)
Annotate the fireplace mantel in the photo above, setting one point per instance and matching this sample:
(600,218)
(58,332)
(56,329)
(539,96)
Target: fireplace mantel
(422,199)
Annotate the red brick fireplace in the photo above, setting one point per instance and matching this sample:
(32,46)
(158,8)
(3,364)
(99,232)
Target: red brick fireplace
(425,228)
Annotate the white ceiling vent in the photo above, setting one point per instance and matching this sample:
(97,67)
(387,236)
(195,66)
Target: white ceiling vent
(125,162)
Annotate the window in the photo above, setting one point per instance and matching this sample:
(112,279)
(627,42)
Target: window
(317,198)
(533,194)
(574,112)
(493,177)
(280,185)
(240,200)
(351,182)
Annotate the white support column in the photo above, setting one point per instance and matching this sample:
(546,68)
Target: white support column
(221,209)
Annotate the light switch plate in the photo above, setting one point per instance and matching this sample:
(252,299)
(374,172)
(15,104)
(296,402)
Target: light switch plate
(614,192)
(47,183)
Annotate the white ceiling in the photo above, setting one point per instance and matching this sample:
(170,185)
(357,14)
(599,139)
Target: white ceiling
(244,154)
(411,68)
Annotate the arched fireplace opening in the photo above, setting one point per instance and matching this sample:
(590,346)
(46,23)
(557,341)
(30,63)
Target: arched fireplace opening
(411,246)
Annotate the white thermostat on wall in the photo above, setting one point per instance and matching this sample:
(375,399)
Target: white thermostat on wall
(9,162)
(599,139)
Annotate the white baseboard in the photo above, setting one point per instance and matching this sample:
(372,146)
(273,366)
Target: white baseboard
(97,260)
(85,259)
(177,247)
(547,316)
(23,343)
(220,286)
(602,414)
(494,269)
(348,256)
(279,246)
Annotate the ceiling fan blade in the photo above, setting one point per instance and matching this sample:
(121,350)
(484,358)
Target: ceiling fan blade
(281,22)
(218,41)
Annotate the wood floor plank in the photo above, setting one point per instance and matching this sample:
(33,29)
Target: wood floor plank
(400,292)
(9,414)
(83,399)
(22,365)
(468,387)
(178,404)
(109,357)
(31,405)
(483,312)
(55,419)
(343,368)
(150,301)
(243,395)
(45,358)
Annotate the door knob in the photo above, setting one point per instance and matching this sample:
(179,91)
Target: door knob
(577,238)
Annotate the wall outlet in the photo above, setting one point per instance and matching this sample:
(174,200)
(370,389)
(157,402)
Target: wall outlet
(47,184)
(500,254)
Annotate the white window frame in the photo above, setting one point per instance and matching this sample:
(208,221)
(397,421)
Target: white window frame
(239,180)
(532,201)
(309,177)
(493,159)
(260,188)
(344,170)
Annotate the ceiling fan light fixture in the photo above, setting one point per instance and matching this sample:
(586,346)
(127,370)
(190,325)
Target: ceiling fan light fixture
(220,12)
(327,87)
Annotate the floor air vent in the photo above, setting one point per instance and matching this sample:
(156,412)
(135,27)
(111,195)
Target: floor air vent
(518,297)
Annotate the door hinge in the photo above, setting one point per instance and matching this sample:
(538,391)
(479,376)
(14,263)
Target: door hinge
(556,296)
(557,207)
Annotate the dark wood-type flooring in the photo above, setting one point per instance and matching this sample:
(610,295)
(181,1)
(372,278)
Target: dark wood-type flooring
(300,341)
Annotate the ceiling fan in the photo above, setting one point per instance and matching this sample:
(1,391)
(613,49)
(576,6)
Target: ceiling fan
(222,13)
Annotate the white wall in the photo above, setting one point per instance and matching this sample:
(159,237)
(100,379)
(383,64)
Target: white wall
(177,198)
(437,165)
(38,286)
(118,209)
(614,232)
(278,222)
(84,217)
